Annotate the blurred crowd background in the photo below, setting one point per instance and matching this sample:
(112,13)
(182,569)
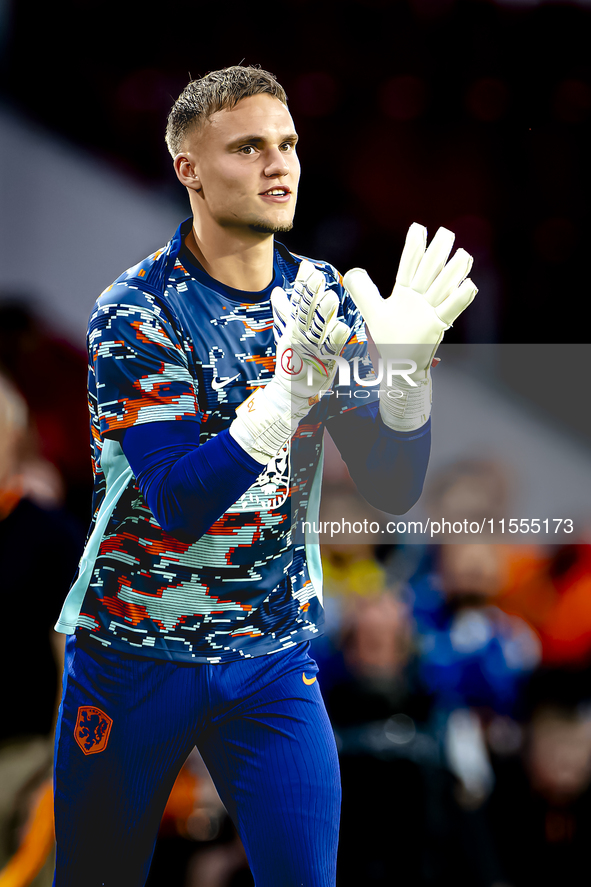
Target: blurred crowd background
(457,677)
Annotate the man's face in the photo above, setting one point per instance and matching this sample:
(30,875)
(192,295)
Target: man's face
(247,167)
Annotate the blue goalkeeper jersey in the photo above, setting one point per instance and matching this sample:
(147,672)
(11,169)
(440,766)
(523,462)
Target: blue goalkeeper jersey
(168,342)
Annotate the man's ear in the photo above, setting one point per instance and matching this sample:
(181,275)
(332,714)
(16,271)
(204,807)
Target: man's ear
(185,170)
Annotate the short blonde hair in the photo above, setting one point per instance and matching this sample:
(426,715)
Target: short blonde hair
(217,90)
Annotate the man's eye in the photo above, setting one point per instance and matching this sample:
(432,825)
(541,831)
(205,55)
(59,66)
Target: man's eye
(287,146)
(247,149)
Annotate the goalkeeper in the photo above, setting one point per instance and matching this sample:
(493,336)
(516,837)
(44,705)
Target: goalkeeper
(190,617)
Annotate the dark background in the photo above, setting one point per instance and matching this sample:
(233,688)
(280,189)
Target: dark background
(472,115)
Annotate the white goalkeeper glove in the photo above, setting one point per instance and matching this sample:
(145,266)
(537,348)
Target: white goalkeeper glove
(408,326)
(309,337)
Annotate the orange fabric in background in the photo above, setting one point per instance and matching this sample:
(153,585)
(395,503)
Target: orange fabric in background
(551,589)
(36,845)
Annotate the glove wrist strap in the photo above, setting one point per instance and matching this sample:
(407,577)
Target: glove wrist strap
(266,420)
(404,407)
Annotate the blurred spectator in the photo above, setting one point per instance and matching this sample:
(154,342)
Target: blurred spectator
(373,674)
(540,808)
(472,653)
(31,537)
(50,374)
(474,660)
(472,490)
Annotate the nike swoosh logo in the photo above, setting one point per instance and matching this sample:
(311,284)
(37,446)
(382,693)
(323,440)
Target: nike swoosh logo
(221,383)
(308,680)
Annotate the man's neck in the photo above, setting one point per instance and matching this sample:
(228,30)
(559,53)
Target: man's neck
(242,265)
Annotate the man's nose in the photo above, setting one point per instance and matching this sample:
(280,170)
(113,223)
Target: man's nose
(276,164)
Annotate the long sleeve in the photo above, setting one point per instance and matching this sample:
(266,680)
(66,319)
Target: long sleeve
(187,485)
(387,466)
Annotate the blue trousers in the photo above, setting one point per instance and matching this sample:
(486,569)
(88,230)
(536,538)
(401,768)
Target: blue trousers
(126,726)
